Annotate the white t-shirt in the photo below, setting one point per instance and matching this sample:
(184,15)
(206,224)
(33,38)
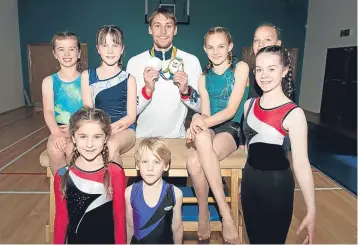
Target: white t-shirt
(164,113)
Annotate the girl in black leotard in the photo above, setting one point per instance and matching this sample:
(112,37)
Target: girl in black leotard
(267,188)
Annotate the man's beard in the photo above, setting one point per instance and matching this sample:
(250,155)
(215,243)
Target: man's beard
(166,46)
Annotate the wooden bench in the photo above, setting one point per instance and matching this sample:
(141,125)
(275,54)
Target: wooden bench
(231,168)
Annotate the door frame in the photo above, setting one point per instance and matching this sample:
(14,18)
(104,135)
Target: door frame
(29,65)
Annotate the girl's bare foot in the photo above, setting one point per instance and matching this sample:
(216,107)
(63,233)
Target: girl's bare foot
(230,233)
(204,230)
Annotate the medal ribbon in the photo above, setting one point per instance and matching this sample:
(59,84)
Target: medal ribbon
(166,70)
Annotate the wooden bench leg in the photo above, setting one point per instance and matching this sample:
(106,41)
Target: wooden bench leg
(48,172)
(241,225)
(241,216)
(235,174)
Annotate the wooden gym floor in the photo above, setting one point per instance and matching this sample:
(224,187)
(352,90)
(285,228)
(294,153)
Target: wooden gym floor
(24,190)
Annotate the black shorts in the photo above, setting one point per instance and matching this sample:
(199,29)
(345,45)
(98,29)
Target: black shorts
(233,128)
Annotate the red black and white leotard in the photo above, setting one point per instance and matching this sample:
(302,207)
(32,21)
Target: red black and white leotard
(266,138)
(267,187)
(86,215)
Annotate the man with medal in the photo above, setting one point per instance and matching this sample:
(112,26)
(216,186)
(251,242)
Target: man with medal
(167,80)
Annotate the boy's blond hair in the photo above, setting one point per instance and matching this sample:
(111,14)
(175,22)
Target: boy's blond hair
(165,12)
(157,146)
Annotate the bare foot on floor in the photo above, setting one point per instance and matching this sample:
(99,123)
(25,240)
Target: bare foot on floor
(204,230)
(230,233)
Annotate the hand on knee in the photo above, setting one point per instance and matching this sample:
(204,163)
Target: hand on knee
(58,141)
(54,151)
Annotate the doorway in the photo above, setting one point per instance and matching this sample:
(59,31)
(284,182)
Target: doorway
(42,63)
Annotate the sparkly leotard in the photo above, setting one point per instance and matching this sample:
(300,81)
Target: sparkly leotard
(87,215)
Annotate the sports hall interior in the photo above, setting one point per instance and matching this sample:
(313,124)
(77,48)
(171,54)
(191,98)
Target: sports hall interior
(313,28)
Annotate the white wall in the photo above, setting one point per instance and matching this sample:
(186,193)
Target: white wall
(11,85)
(326,18)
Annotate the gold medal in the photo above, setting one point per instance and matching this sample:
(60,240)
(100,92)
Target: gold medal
(176,65)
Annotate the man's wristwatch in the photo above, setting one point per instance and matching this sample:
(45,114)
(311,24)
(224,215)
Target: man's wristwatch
(190,90)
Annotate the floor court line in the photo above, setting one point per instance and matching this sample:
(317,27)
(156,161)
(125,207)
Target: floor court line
(14,120)
(324,189)
(335,182)
(24,192)
(22,154)
(7,147)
